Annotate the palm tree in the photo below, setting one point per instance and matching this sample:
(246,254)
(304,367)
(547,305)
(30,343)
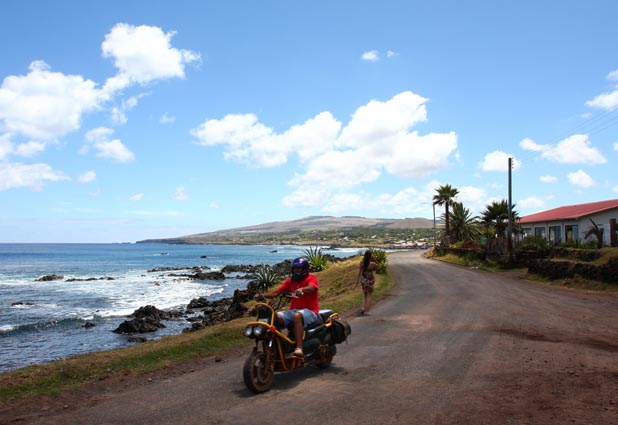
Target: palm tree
(464,226)
(445,196)
(496,216)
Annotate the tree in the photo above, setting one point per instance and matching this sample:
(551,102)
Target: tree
(496,216)
(445,196)
(464,226)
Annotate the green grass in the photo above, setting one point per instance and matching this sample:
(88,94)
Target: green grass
(72,372)
(336,292)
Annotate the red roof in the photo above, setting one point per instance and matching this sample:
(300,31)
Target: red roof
(570,212)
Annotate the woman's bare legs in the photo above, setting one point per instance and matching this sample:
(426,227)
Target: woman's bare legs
(366,301)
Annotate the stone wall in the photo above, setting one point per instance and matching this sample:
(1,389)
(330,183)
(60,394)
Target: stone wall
(563,269)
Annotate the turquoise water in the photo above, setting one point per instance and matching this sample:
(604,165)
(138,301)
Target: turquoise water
(43,321)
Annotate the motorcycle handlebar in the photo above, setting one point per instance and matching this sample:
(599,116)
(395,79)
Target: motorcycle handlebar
(281,295)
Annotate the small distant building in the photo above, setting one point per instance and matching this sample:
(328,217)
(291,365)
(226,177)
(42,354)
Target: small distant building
(570,223)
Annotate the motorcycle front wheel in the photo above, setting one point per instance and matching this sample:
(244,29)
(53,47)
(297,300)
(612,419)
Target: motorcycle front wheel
(257,374)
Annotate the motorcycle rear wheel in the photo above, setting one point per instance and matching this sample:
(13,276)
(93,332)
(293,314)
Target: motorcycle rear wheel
(257,373)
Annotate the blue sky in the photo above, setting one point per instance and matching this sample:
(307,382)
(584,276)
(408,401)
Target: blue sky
(128,120)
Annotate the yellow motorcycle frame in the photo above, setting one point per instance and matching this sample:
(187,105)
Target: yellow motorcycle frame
(273,350)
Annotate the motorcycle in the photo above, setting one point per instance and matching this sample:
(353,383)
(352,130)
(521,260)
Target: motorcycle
(273,350)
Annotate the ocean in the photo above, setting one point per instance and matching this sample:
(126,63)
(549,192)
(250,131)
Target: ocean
(43,321)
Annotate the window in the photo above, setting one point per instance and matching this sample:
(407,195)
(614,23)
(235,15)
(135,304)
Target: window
(539,232)
(555,236)
(571,232)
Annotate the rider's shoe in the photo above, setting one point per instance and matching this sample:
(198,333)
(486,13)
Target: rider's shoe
(298,352)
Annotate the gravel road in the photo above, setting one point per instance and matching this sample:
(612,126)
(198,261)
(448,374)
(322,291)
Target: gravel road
(448,345)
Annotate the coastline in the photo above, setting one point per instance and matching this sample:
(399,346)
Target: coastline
(174,352)
(47,320)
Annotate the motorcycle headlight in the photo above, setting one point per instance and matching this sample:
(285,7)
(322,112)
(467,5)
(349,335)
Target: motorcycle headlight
(248,331)
(258,331)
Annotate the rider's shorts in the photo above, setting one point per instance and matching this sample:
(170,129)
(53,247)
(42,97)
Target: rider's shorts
(308,317)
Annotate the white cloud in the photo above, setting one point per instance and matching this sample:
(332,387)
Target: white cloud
(180,194)
(250,142)
(340,202)
(499,161)
(576,149)
(386,121)
(87,177)
(607,101)
(118,116)
(531,145)
(332,157)
(136,197)
(119,113)
(548,179)
(615,189)
(13,175)
(6,147)
(371,56)
(29,149)
(473,198)
(215,206)
(112,149)
(531,202)
(99,134)
(143,54)
(616,146)
(45,105)
(409,201)
(391,54)
(581,179)
(167,119)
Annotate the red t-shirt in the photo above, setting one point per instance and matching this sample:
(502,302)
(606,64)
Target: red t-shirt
(309,300)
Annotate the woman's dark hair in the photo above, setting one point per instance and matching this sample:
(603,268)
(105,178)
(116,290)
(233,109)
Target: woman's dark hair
(366,260)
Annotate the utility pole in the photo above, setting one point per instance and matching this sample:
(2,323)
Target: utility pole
(509,241)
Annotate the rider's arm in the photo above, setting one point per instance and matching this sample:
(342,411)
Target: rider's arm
(275,293)
(310,285)
(270,294)
(304,290)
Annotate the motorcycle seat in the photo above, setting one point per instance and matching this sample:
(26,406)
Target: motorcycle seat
(325,314)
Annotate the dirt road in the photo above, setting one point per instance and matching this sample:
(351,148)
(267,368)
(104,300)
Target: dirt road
(448,346)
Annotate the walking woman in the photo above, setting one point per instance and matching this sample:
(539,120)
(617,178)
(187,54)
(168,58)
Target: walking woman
(366,279)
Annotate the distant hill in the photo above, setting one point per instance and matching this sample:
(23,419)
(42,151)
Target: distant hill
(300,226)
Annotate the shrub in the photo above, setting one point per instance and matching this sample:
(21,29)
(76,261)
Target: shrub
(265,277)
(379,256)
(317,260)
(533,243)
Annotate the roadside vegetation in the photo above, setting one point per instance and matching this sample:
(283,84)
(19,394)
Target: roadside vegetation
(337,292)
(483,242)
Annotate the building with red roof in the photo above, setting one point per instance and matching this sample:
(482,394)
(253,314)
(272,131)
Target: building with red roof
(571,222)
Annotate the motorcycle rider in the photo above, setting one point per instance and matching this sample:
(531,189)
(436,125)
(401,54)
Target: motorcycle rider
(304,305)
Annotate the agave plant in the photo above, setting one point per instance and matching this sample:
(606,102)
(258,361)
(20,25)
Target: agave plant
(265,277)
(317,260)
(595,231)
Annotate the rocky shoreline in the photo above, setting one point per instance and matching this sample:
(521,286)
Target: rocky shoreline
(200,312)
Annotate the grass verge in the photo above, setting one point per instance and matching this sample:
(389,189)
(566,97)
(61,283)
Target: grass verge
(337,292)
